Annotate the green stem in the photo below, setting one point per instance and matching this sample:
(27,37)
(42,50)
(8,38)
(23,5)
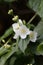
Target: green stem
(32,18)
(17,43)
(8,41)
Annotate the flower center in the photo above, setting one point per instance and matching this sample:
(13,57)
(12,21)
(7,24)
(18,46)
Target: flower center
(31,35)
(23,30)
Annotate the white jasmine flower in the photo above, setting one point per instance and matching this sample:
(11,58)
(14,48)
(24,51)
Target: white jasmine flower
(23,31)
(20,30)
(33,36)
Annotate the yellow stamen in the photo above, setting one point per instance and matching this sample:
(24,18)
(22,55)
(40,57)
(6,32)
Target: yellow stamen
(23,31)
(31,35)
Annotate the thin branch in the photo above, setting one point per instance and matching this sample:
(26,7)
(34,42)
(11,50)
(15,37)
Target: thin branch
(32,18)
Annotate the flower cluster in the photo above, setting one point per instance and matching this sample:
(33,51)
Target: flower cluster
(22,31)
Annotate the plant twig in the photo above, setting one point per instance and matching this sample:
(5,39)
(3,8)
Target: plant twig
(8,41)
(32,18)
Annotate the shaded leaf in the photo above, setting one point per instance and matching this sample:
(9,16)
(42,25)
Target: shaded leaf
(32,4)
(3,50)
(40,48)
(7,33)
(36,5)
(12,60)
(39,30)
(4,58)
(23,44)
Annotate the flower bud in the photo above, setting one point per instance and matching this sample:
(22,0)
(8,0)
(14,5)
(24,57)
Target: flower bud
(15,18)
(10,11)
(24,22)
(7,46)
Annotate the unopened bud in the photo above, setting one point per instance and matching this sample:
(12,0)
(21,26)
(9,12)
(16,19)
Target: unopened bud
(15,18)
(3,41)
(10,11)
(7,46)
(24,22)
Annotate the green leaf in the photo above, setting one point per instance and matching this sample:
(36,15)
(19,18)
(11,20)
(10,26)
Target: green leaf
(36,5)
(4,58)
(7,33)
(3,50)
(12,60)
(23,44)
(32,4)
(39,30)
(40,48)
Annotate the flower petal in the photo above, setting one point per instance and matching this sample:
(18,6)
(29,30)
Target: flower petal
(28,31)
(33,40)
(20,22)
(15,26)
(16,36)
(23,31)
(33,36)
(23,36)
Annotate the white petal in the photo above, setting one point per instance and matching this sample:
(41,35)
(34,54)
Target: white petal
(15,26)
(16,36)
(28,31)
(23,36)
(23,31)
(20,22)
(33,38)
